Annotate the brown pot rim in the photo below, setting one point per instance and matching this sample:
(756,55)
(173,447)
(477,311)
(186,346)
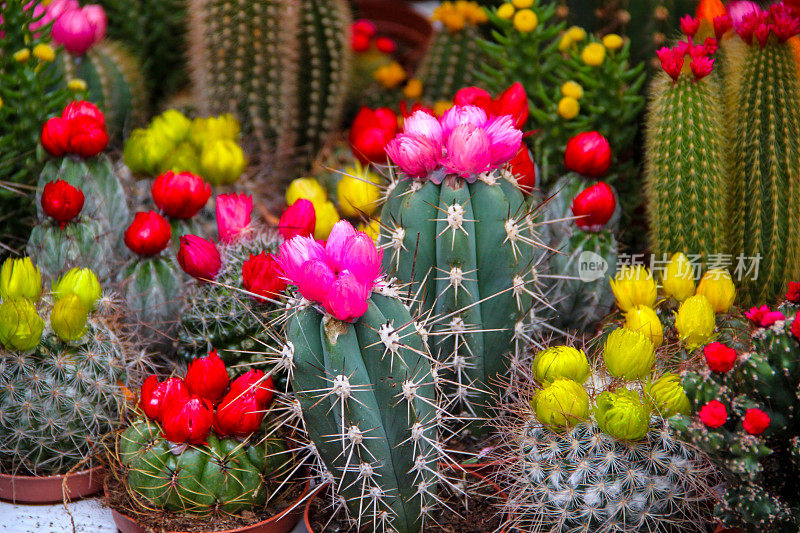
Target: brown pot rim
(126,524)
(50,489)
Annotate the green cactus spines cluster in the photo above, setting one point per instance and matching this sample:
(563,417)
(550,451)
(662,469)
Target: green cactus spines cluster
(686,167)
(369,402)
(467,250)
(279,66)
(450,63)
(224,475)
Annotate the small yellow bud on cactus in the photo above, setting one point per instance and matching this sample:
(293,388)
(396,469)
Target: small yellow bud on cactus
(645,320)
(560,362)
(695,321)
(572,89)
(20,326)
(568,108)
(327,217)
(307,189)
(222,162)
(678,277)
(68,318)
(622,414)
(505,11)
(525,21)
(718,288)
(44,52)
(562,403)
(20,278)
(81,282)
(413,89)
(22,55)
(358,192)
(145,151)
(172,124)
(594,54)
(667,396)
(77,85)
(634,285)
(628,354)
(613,42)
(390,76)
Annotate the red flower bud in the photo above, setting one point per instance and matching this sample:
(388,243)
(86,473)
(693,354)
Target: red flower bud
(156,396)
(207,377)
(793,292)
(298,219)
(359,42)
(690,25)
(795,331)
(371,130)
(55,136)
(363,26)
(385,45)
(594,207)
(261,275)
(722,25)
(253,382)
(713,414)
(88,136)
(82,108)
(513,101)
(756,421)
(523,167)
(180,195)
(763,317)
(188,422)
(588,154)
(148,234)
(720,358)
(239,414)
(61,201)
(199,257)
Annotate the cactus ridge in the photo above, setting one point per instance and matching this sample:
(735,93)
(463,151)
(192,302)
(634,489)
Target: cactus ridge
(153,292)
(449,64)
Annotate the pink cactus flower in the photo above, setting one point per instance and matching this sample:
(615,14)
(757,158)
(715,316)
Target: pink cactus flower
(75,31)
(468,151)
(57,7)
(458,115)
(416,156)
(336,245)
(505,139)
(295,252)
(362,259)
(671,61)
(739,9)
(316,278)
(347,298)
(97,18)
(421,125)
(233,216)
(701,66)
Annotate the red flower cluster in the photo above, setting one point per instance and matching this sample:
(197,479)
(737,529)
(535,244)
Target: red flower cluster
(362,32)
(524,169)
(779,20)
(61,201)
(720,358)
(588,154)
(763,317)
(594,207)
(81,130)
(186,407)
(793,292)
(372,129)
(701,63)
(513,101)
(714,414)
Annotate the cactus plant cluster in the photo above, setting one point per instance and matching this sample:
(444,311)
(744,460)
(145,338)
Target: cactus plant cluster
(746,404)
(65,365)
(280,67)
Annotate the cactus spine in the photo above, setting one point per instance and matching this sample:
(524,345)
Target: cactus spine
(279,66)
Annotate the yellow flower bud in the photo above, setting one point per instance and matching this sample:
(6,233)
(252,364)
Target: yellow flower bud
(441,106)
(326,218)
(307,189)
(81,282)
(568,107)
(634,285)
(68,318)
(44,52)
(1,102)
(172,124)
(525,20)
(560,362)
(477,15)
(358,192)
(20,326)
(205,130)
(576,34)
(505,11)
(718,288)
(678,277)
(562,403)
(613,42)
(390,76)
(565,43)
(20,278)
(695,321)
(222,162)
(413,89)
(184,158)
(453,20)
(77,85)
(667,396)
(145,151)
(572,89)
(628,354)
(622,414)
(594,54)
(522,4)
(645,320)
(373,228)
(22,55)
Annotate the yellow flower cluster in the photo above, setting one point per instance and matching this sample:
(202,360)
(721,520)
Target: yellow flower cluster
(456,15)
(573,35)
(525,20)
(390,76)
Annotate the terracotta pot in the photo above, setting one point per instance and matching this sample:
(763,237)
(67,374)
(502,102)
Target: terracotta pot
(51,489)
(282,522)
(400,22)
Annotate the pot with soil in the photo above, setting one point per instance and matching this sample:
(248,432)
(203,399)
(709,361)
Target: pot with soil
(51,489)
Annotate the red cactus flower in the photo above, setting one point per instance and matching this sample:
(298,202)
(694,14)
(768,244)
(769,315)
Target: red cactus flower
(690,25)
(180,195)
(88,136)
(82,108)
(262,275)
(239,414)
(371,130)
(714,414)
(254,382)
(756,421)
(594,207)
(793,292)
(207,377)
(795,331)
(199,257)
(513,101)
(701,66)
(524,169)
(722,25)
(385,45)
(671,61)
(189,422)
(588,154)
(156,396)
(148,234)
(61,201)
(720,358)
(298,219)
(763,317)
(55,136)
(360,42)
(363,26)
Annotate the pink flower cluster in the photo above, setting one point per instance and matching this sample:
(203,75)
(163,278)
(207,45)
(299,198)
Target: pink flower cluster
(701,65)
(753,22)
(77,28)
(763,316)
(339,275)
(465,141)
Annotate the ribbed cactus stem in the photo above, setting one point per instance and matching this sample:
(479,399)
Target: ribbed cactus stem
(450,63)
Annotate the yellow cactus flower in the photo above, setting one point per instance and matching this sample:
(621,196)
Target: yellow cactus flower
(81,282)
(20,278)
(506,11)
(172,124)
(678,277)
(145,151)
(645,320)
(441,107)
(594,54)
(327,217)
(222,162)
(667,395)
(372,228)
(628,354)
(184,158)
(568,108)
(68,318)
(207,129)
(358,191)
(522,4)
(308,189)
(561,404)
(20,326)
(22,55)
(634,285)
(613,42)
(77,85)
(572,89)
(695,322)
(413,89)
(560,362)
(622,414)
(525,20)
(390,76)
(718,288)
(44,52)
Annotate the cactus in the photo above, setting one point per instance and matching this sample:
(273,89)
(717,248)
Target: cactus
(279,66)
(685,167)
(114,82)
(224,475)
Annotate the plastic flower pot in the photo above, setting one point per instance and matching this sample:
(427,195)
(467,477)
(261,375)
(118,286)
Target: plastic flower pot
(51,489)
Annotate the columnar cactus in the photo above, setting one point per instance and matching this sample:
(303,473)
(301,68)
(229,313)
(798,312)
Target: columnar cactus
(279,66)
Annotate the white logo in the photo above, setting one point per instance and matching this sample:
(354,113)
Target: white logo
(591,267)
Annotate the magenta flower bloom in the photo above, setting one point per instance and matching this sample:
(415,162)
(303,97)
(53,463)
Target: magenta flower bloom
(74,30)
(97,18)
(422,125)
(316,278)
(458,115)
(468,151)
(199,257)
(362,259)
(233,216)
(416,156)
(335,246)
(295,252)
(505,139)
(347,298)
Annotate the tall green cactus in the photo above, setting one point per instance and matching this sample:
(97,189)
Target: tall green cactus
(279,66)
(369,404)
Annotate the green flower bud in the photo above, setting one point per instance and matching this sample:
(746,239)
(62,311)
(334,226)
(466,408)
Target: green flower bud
(20,326)
(629,354)
(204,130)
(83,283)
(222,162)
(695,321)
(622,414)
(562,403)
(145,151)
(68,318)
(183,159)
(560,362)
(172,124)
(20,278)
(667,395)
